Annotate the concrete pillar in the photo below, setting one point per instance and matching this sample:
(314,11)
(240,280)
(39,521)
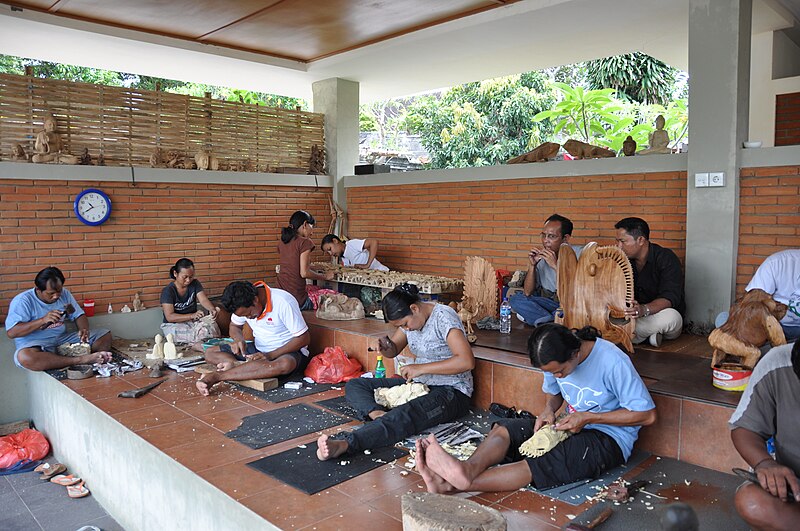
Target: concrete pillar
(719,69)
(338,100)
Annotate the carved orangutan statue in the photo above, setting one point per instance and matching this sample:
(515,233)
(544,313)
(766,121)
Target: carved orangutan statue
(752,322)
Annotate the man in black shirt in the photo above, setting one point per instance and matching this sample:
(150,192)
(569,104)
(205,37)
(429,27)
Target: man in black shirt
(658,284)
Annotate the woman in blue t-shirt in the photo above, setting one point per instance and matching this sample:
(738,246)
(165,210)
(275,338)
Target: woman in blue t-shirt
(605,403)
(179,301)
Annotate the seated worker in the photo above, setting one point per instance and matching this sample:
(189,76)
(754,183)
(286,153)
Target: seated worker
(280,333)
(606,402)
(37,323)
(354,253)
(179,302)
(539,301)
(658,304)
(770,407)
(443,361)
(294,256)
(779,275)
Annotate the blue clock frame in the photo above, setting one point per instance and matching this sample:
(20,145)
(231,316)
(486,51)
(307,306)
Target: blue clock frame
(104,197)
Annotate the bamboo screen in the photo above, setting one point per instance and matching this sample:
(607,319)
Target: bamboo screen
(126,125)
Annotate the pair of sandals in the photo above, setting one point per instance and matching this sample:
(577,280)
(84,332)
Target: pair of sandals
(55,474)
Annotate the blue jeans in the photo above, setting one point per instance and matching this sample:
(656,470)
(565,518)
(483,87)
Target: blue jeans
(792,333)
(533,310)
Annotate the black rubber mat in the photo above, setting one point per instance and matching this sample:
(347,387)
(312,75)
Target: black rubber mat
(272,427)
(576,493)
(300,468)
(340,405)
(282,394)
(708,492)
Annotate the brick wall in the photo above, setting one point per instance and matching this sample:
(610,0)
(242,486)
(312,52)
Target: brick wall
(769,217)
(787,119)
(229,231)
(431,228)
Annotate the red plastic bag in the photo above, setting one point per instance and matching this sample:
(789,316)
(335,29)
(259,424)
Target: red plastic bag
(28,444)
(333,366)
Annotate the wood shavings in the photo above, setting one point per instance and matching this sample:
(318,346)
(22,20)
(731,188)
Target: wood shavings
(404,473)
(343,463)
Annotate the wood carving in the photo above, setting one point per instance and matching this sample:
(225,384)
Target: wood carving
(548,150)
(206,161)
(582,150)
(337,215)
(658,140)
(480,287)
(86,158)
(427,284)
(595,289)
(157,158)
(467,310)
(316,163)
(340,307)
(629,147)
(754,321)
(49,146)
(261,384)
(18,153)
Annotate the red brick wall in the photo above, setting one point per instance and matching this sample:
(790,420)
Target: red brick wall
(229,231)
(431,228)
(769,217)
(787,119)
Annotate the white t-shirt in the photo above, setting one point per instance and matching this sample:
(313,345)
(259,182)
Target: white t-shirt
(355,254)
(278,327)
(779,276)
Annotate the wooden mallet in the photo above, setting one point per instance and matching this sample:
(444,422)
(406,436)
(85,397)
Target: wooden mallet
(599,519)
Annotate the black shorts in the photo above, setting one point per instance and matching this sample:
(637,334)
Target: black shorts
(584,455)
(300,359)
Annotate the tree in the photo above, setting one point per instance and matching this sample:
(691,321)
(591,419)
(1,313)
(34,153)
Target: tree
(636,77)
(482,123)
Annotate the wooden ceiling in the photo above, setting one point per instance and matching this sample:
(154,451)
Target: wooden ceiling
(301,30)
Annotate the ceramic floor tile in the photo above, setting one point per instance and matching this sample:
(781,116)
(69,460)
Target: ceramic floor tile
(288,508)
(213,450)
(663,437)
(54,509)
(520,520)
(150,417)
(116,405)
(363,517)
(177,389)
(110,388)
(238,480)
(207,405)
(376,482)
(17,517)
(177,433)
(106,523)
(389,503)
(543,508)
(705,437)
(230,419)
(521,388)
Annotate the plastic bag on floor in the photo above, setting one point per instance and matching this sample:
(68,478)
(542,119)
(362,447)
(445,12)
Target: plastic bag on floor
(27,445)
(333,366)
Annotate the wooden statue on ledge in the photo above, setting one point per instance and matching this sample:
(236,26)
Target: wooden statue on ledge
(49,147)
(582,150)
(658,140)
(316,164)
(542,153)
(18,154)
(596,289)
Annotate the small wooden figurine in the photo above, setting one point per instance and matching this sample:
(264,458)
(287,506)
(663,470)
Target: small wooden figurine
(158,348)
(629,147)
(658,140)
(18,154)
(170,351)
(137,303)
(582,150)
(546,151)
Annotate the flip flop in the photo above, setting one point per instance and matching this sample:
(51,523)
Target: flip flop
(66,481)
(78,490)
(54,469)
(43,467)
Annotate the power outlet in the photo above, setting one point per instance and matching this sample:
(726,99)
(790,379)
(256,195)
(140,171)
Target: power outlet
(716,179)
(700,180)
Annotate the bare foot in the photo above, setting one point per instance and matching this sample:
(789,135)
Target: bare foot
(94,357)
(225,365)
(433,481)
(205,383)
(445,465)
(376,414)
(328,448)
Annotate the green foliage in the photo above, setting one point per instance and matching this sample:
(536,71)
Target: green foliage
(482,123)
(583,113)
(636,77)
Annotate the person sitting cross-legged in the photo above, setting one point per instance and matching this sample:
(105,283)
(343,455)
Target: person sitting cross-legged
(607,403)
(36,322)
(280,333)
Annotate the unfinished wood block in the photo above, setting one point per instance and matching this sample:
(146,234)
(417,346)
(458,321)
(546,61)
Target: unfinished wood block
(424,511)
(262,384)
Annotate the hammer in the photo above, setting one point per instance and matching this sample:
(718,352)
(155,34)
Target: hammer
(599,519)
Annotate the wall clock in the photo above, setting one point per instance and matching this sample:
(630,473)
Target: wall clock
(92,206)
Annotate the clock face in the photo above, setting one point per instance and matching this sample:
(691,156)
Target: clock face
(92,207)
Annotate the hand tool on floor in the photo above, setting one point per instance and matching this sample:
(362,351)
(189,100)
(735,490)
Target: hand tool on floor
(599,519)
(136,393)
(621,493)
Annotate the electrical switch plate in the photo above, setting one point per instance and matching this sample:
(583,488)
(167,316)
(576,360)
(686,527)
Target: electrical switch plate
(700,180)
(716,179)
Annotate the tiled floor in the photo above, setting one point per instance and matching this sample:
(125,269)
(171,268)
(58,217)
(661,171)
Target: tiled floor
(190,429)
(27,503)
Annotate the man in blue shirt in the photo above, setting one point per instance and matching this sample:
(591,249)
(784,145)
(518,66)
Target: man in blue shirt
(37,323)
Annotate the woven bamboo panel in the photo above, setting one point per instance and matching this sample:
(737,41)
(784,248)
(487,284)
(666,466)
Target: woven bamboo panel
(126,125)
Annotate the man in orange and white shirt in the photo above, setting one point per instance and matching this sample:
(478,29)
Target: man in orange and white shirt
(279,330)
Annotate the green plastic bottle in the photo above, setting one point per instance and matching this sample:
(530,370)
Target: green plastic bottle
(380,370)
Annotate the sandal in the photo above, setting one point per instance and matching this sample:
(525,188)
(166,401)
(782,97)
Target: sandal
(66,481)
(54,469)
(78,490)
(43,467)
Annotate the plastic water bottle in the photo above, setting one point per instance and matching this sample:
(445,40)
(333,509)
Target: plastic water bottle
(380,370)
(505,317)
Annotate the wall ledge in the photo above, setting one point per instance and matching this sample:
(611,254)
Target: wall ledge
(565,168)
(770,156)
(21,170)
